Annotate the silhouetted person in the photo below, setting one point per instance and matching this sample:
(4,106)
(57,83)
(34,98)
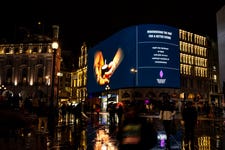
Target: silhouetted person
(52,120)
(135,132)
(42,113)
(112,112)
(167,114)
(119,112)
(97,110)
(64,111)
(28,105)
(112,118)
(190,119)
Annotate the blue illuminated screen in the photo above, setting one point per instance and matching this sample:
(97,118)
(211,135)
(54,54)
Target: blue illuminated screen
(152,50)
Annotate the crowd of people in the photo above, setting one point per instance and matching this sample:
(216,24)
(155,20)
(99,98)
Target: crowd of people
(134,131)
(130,129)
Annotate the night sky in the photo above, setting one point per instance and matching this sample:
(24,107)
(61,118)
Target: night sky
(94,21)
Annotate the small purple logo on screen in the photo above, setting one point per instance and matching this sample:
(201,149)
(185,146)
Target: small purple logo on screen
(161,74)
(161,80)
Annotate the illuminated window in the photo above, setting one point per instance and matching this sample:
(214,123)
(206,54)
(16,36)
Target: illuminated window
(181,57)
(186,58)
(203,72)
(196,60)
(205,52)
(186,47)
(85,61)
(197,50)
(181,69)
(192,49)
(24,76)
(40,75)
(189,59)
(184,69)
(9,76)
(192,60)
(214,78)
(181,46)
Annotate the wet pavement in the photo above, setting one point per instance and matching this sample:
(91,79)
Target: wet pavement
(95,134)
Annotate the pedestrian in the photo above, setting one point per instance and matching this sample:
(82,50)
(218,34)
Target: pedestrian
(97,110)
(167,114)
(42,113)
(119,112)
(64,111)
(112,112)
(189,115)
(135,132)
(28,105)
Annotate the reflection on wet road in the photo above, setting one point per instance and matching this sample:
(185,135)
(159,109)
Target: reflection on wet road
(71,133)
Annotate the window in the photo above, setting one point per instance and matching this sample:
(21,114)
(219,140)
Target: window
(40,76)
(24,76)
(9,76)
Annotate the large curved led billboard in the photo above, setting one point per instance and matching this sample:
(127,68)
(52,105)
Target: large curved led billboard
(152,50)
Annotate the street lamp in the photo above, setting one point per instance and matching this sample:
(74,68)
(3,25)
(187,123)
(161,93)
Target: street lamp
(107,88)
(59,74)
(55,46)
(134,71)
(53,112)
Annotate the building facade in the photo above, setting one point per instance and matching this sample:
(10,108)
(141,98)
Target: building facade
(26,69)
(80,76)
(220,16)
(198,70)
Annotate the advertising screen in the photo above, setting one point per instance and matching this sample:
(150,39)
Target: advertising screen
(151,50)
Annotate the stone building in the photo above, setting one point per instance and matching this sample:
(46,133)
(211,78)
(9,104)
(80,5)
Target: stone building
(26,68)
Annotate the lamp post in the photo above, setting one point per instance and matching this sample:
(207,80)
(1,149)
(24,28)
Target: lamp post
(55,46)
(107,88)
(53,112)
(134,71)
(59,74)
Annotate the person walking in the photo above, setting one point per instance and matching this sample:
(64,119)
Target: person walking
(111,108)
(119,112)
(42,113)
(167,114)
(135,132)
(189,115)
(64,112)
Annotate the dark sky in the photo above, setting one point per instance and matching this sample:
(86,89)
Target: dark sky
(94,21)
